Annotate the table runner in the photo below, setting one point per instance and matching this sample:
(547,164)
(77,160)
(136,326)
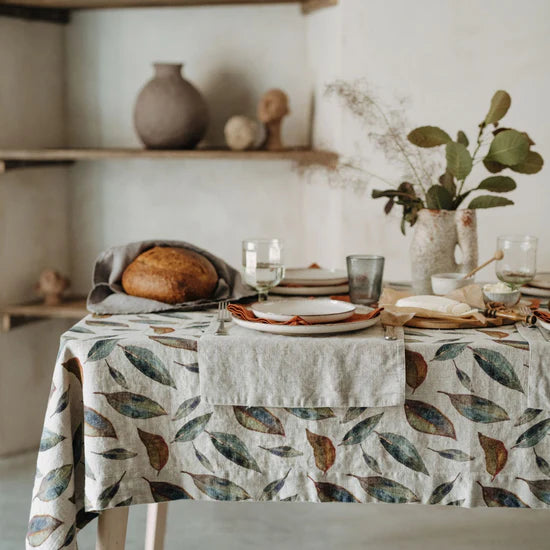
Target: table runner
(250,368)
(126,425)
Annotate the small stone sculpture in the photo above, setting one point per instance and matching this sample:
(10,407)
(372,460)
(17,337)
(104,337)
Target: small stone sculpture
(51,286)
(272,109)
(240,133)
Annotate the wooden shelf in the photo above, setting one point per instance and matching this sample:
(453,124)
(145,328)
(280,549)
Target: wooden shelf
(58,11)
(22,314)
(11,159)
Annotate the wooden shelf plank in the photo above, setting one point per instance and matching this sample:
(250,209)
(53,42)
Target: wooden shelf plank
(21,314)
(17,158)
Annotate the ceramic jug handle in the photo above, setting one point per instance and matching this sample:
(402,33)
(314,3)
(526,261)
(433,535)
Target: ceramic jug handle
(466,229)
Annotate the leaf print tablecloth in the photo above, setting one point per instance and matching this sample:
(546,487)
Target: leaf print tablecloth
(126,425)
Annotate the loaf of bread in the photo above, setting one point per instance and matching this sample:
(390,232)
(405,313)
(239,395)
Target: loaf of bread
(171,275)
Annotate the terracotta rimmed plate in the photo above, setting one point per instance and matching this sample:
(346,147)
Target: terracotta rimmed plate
(312,311)
(315,277)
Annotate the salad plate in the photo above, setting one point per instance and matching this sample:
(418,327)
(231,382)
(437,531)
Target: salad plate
(312,311)
(310,290)
(315,277)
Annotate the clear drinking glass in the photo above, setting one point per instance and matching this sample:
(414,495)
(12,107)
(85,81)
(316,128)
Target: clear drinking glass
(263,266)
(519,263)
(365,278)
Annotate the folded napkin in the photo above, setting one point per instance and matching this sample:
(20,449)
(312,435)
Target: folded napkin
(108,296)
(247,314)
(538,385)
(542,315)
(254,369)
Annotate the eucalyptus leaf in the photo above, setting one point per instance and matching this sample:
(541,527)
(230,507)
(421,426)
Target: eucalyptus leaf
(429,136)
(462,138)
(500,103)
(509,148)
(459,160)
(489,201)
(498,184)
(531,165)
(493,166)
(439,198)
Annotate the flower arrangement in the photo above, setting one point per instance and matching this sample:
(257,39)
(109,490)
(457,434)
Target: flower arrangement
(497,148)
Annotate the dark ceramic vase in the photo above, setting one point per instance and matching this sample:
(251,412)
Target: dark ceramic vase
(170,113)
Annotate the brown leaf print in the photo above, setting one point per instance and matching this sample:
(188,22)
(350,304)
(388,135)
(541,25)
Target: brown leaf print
(496,454)
(323,450)
(416,369)
(157,449)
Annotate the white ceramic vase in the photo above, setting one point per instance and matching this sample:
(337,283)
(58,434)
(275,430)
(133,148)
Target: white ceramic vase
(436,236)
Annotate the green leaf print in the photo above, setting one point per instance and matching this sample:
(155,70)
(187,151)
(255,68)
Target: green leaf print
(163,492)
(173,342)
(203,459)
(284,451)
(40,528)
(527,416)
(62,402)
(542,464)
(441,491)
(271,490)
(116,454)
(497,367)
(157,449)
(329,492)
(453,454)
(149,364)
(230,446)
(49,439)
(540,488)
(495,497)
(218,488)
(371,462)
(133,405)
(108,494)
(192,429)
(320,413)
(449,351)
(117,376)
(352,413)
(361,430)
(187,407)
(403,451)
(102,349)
(477,409)
(426,418)
(464,379)
(54,483)
(385,489)
(535,434)
(259,419)
(96,425)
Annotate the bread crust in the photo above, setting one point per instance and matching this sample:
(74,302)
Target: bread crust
(171,275)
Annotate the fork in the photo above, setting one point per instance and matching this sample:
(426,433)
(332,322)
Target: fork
(222,317)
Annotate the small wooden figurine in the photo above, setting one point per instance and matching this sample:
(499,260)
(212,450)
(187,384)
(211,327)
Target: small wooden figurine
(273,107)
(51,286)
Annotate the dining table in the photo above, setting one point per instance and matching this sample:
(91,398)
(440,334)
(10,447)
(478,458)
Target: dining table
(126,424)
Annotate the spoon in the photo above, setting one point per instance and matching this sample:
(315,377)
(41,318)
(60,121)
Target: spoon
(498,256)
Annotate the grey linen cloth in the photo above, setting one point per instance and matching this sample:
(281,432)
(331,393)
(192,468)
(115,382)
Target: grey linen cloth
(538,391)
(251,368)
(108,296)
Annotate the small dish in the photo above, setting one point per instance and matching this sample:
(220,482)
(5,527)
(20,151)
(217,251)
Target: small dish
(443,283)
(312,311)
(507,298)
(315,277)
(310,290)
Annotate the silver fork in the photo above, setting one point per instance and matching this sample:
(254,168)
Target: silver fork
(222,317)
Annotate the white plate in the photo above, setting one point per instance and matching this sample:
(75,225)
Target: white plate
(315,277)
(312,311)
(541,280)
(543,324)
(310,330)
(310,290)
(537,292)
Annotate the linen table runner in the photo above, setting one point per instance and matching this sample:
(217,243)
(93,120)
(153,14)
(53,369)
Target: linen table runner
(249,368)
(538,391)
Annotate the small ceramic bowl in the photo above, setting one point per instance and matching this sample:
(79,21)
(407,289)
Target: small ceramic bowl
(506,298)
(443,283)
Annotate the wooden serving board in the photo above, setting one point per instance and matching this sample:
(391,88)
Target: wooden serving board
(423,322)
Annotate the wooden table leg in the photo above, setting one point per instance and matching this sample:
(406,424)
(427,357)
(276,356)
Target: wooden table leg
(156,526)
(111,529)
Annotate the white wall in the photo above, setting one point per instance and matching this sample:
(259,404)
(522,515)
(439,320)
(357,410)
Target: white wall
(447,58)
(33,220)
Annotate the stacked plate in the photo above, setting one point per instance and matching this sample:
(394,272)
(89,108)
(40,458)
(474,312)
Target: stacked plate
(313,282)
(539,287)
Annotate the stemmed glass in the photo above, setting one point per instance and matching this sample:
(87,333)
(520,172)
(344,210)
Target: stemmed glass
(519,263)
(263,264)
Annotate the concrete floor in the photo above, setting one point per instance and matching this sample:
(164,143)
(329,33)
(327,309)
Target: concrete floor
(289,526)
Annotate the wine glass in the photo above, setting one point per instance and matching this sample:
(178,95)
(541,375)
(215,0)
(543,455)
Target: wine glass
(518,266)
(263,264)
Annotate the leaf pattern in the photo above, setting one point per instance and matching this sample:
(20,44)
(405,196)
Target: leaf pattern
(192,429)
(453,454)
(496,454)
(464,379)
(230,446)
(102,349)
(284,451)
(477,409)
(386,490)
(203,459)
(362,430)
(320,413)
(425,418)
(352,413)
(497,497)
(157,449)
(371,462)
(55,482)
(62,402)
(542,464)
(534,435)
(117,454)
(403,451)
(416,369)
(323,451)
(149,364)
(133,405)
(441,491)
(173,342)
(271,490)
(96,425)
(497,367)
(449,351)
(40,528)
(164,492)
(117,376)
(258,419)
(527,416)
(329,492)
(49,440)
(109,493)
(218,488)
(187,407)
(74,366)
(540,488)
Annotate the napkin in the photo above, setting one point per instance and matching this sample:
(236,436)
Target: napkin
(542,315)
(244,313)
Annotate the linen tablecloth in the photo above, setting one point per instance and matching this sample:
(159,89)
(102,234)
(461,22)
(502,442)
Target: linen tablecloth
(125,424)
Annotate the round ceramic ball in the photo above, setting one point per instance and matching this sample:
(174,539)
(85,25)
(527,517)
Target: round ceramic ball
(240,133)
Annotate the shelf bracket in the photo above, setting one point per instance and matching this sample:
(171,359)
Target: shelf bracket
(9,165)
(33,13)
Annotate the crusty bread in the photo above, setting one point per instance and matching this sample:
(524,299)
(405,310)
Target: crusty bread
(171,275)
